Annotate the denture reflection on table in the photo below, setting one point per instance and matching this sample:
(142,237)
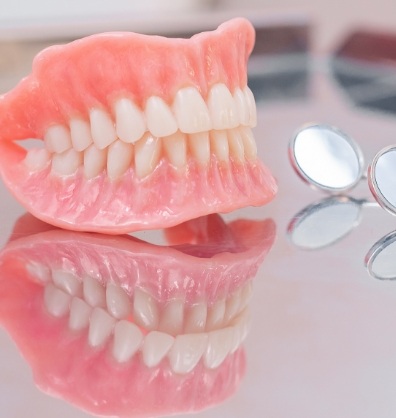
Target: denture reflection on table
(119,326)
(137,132)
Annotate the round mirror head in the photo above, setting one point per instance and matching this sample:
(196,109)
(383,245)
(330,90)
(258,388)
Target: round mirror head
(381,259)
(326,158)
(324,223)
(382,178)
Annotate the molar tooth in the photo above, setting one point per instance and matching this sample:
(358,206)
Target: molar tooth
(94,161)
(219,145)
(176,149)
(118,302)
(186,351)
(101,325)
(191,112)
(102,128)
(127,340)
(80,131)
(249,143)
(57,139)
(222,108)
(251,106)
(56,301)
(171,320)
(160,120)
(155,347)
(215,315)
(242,106)
(200,146)
(67,162)
(147,155)
(80,312)
(94,292)
(67,282)
(235,144)
(119,159)
(219,346)
(130,124)
(196,318)
(36,159)
(145,310)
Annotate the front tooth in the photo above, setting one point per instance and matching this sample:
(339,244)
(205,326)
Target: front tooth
(147,155)
(219,346)
(57,139)
(119,159)
(235,144)
(191,112)
(219,145)
(101,325)
(127,340)
(145,310)
(242,106)
(251,106)
(249,143)
(176,149)
(80,134)
(196,318)
(155,347)
(118,302)
(67,162)
(80,312)
(130,124)
(94,161)
(94,292)
(186,351)
(172,317)
(36,159)
(200,147)
(67,282)
(222,108)
(216,315)
(160,120)
(39,272)
(56,301)
(102,128)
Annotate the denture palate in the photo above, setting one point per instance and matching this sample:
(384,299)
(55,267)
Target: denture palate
(136,324)
(130,137)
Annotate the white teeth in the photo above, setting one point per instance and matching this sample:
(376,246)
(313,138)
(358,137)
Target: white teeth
(67,282)
(119,159)
(57,139)
(240,325)
(219,145)
(160,120)
(80,312)
(191,112)
(101,325)
(233,304)
(216,315)
(155,347)
(127,340)
(200,147)
(242,106)
(251,106)
(246,295)
(186,351)
(39,272)
(80,134)
(219,346)
(56,301)
(196,318)
(94,292)
(118,302)
(249,143)
(129,121)
(102,128)
(176,149)
(172,317)
(147,155)
(67,162)
(145,310)
(94,161)
(235,144)
(222,108)
(37,158)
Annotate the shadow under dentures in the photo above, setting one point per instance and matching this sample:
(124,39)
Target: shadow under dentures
(103,320)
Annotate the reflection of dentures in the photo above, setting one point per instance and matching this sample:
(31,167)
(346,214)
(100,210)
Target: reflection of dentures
(113,319)
(124,151)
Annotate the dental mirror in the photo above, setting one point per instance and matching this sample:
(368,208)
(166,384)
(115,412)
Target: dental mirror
(326,158)
(380,261)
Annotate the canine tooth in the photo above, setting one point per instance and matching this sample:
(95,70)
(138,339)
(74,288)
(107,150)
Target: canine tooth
(39,272)
(251,106)
(186,351)
(219,346)
(101,325)
(200,146)
(94,292)
(80,312)
(130,124)
(242,106)
(233,304)
(80,132)
(249,143)
(191,112)
(57,139)
(67,162)
(222,108)
(118,302)
(176,149)
(36,159)
(119,158)
(246,295)
(171,320)
(102,128)
(240,325)
(147,155)
(196,318)
(127,340)
(94,161)
(160,119)
(219,145)
(67,282)
(155,347)
(215,315)
(145,310)
(56,301)
(235,144)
